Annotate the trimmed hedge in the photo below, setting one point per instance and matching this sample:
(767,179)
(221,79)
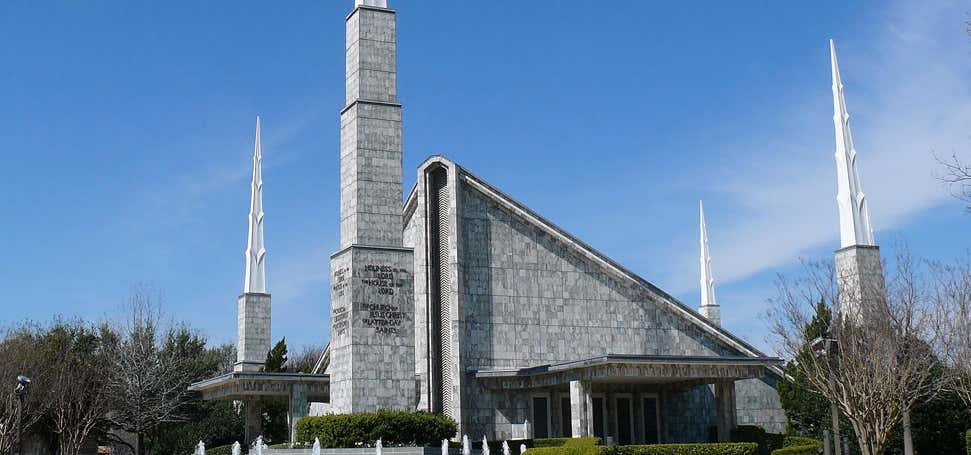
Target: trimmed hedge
(566,442)
(396,428)
(967,441)
(767,442)
(221,450)
(566,450)
(728,448)
(798,445)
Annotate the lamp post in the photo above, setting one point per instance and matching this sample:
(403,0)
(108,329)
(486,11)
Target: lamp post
(824,347)
(22,390)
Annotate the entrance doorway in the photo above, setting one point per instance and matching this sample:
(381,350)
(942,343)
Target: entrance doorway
(624,421)
(566,418)
(598,418)
(652,428)
(541,417)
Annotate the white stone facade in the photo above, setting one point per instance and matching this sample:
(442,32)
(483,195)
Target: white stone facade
(520,292)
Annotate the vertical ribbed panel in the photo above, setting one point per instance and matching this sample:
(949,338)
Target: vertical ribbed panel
(443,277)
(440,338)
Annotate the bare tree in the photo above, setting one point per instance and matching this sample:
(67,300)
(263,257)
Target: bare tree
(874,365)
(305,360)
(149,369)
(953,300)
(957,177)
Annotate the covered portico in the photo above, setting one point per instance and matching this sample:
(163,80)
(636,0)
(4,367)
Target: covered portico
(624,397)
(253,388)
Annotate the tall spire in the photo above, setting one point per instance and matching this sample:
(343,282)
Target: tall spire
(855,226)
(255,251)
(709,307)
(375,3)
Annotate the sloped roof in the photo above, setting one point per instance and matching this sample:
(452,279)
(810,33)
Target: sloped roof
(584,250)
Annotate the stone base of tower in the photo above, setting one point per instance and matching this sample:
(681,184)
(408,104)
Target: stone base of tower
(712,313)
(859,274)
(253,337)
(372,329)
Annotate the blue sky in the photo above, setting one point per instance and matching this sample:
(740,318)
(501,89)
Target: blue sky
(126,135)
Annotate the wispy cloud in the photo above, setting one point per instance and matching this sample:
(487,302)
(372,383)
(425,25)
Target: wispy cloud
(908,92)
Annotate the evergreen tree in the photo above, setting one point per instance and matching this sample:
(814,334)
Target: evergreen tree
(275,428)
(276,359)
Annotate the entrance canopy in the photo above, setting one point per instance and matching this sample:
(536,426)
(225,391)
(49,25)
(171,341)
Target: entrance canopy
(240,385)
(252,388)
(630,369)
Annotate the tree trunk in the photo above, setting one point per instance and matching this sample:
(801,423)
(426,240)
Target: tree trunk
(908,438)
(140,444)
(836,428)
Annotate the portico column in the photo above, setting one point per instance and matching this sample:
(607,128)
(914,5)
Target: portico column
(725,409)
(298,407)
(254,419)
(581,409)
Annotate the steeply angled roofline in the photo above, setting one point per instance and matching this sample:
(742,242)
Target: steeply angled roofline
(592,254)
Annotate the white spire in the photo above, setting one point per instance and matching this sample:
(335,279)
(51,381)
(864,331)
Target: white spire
(855,226)
(255,251)
(377,3)
(709,307)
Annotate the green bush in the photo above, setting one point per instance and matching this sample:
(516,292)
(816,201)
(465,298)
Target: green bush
(574,450)
(728,448)
(565,442)
(967,438)
(798,445)
(395,428)
(753,433)
(221,450)
(792,441)
(798,450)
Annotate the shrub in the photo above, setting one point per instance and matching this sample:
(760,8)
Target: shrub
(798,445)
(798,450)
(967,438)
(221,450)
(395,428)
(753,433)
(574,450)
(792,441)
(729,448)
(566,442)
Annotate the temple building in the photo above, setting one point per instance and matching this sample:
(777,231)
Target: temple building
(458,299)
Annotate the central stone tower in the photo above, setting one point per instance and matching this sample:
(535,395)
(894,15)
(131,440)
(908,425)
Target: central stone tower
(372,289)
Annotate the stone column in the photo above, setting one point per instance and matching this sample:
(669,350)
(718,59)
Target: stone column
(253,409)
(725,409)
(372,285)
(253,331)
(859,275)
(299,407)
(581,409)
